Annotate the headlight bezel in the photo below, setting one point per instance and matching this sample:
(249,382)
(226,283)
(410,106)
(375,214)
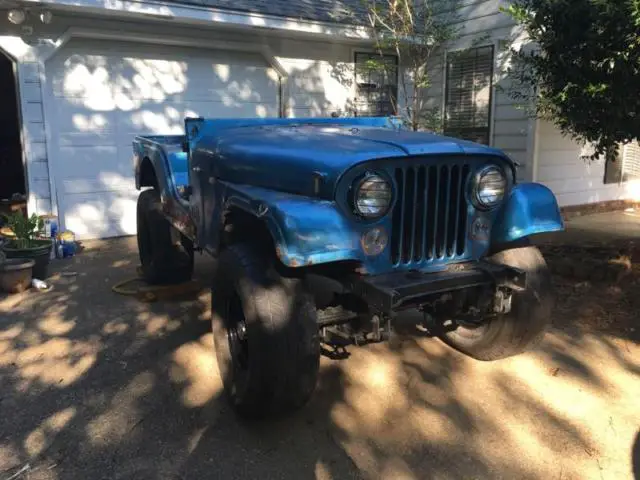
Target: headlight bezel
(357,185)
(475,187)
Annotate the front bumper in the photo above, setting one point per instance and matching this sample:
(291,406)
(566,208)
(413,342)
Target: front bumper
(397,291)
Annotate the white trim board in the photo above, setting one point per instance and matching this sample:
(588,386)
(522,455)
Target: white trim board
(75,32)
(21,122)
(207,15)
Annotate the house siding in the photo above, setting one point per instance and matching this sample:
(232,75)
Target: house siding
(574,180)
(34,136)
(29,77)
(320,82)
(481,23)
(320,77)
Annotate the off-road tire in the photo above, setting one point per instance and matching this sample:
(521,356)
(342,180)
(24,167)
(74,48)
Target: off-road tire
(282,335)
(524,326)
(163,260)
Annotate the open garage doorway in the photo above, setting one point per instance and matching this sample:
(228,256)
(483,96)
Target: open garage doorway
(12,173)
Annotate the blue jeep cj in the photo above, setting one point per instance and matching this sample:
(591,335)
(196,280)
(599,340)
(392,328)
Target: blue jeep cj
(326,229)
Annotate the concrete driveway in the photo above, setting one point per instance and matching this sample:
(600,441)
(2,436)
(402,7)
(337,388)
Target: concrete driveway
(94,385)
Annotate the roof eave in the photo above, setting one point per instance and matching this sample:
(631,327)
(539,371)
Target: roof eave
(207,15)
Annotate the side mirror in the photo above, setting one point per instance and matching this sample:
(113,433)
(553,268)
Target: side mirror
(185,146)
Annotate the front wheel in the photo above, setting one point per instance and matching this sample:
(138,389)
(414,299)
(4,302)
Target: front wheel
(265,333)
(523,327)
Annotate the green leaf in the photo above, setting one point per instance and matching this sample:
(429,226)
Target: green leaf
(584,66)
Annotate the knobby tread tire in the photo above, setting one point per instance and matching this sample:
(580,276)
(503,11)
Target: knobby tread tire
(521,329)
(282,331)
(162,260)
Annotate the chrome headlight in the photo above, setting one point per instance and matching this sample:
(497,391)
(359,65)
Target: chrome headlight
(490,187)
(372,196)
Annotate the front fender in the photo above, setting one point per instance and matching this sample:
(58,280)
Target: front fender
(530,208)
(306,231)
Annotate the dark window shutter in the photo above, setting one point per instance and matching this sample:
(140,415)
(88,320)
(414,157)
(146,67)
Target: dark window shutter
(631,162)
(625,167)
(468,96)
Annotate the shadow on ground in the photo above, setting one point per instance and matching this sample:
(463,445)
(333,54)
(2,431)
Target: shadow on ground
(101,386)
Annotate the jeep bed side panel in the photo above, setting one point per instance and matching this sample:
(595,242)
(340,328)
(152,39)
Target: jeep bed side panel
(170,165)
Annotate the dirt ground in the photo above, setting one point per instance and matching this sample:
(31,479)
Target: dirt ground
(94,385)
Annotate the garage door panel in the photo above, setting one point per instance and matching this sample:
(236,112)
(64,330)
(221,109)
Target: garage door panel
(108,182)
(232,109)
(96,169)
(109,92)
(90,161)
(169,119)
(79,126)
(104,93)
(100,214)
(84,139)
(108,80)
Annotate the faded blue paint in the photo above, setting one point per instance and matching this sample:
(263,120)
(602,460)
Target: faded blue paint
(474,248)
(159,150)
(164,153)
(296,175)
(179,163)
(305,231)
(284,154)
(530,209)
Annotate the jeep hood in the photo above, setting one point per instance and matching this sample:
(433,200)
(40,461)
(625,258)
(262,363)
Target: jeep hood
(289,157)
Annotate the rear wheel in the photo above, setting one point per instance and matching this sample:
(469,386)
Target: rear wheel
(523,327)
(265,332)
(166,255)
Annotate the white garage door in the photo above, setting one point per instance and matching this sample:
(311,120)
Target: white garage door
(101,94)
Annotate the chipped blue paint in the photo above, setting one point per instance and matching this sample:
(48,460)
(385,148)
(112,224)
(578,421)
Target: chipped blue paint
(296,175)
(284,154)
(530,209)
(179,162)
(306,231)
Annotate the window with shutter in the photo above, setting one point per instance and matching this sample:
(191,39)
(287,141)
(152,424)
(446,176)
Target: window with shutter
(631,162)
(468,94)
(626,166)
(376,84)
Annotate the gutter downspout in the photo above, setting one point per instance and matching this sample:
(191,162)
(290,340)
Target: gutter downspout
(536,150)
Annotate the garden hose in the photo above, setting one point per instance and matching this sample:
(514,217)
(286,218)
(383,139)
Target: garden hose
(152,293)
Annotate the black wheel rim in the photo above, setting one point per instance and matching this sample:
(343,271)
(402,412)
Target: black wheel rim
(237,333)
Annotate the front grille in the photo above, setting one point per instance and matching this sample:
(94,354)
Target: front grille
(430,214)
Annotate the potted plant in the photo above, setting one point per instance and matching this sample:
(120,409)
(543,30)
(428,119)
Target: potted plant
(15,273)
(25,244)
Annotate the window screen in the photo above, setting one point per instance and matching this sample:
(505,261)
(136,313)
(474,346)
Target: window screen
(376,84)
(626,166)
(468,94)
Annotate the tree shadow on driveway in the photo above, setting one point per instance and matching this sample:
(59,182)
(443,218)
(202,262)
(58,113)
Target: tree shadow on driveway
(96,385)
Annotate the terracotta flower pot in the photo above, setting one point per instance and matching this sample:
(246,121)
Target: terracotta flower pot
(16,274)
